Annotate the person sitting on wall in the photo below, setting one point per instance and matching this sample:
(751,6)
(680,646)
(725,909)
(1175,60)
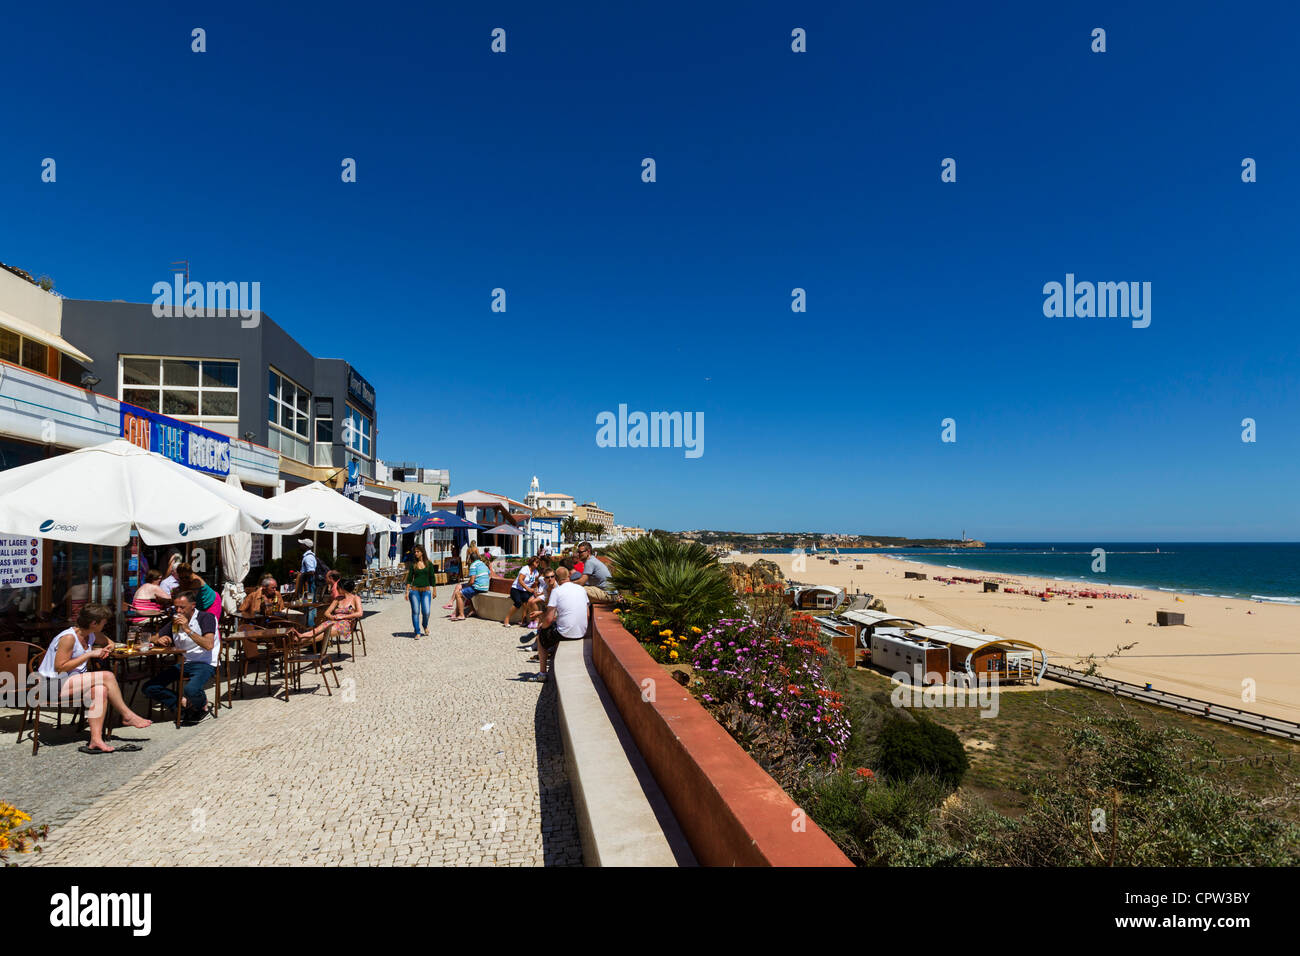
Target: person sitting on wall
(523,590)
(480,580)
(594,576)
(565,620)
(537,604)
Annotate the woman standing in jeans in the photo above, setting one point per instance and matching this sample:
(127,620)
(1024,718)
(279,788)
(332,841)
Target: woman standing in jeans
(420,590)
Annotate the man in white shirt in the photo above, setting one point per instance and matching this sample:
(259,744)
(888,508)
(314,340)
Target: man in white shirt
(194,632)
(565,619)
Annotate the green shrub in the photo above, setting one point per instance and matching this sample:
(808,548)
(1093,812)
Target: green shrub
(678,583)
(882,822)
(1128,796)
(910,745)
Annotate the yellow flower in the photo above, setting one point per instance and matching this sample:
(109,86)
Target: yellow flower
(654,622)
(697,630)
(665,633)
(673,655)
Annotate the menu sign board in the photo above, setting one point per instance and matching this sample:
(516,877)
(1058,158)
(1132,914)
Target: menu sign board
(20,562)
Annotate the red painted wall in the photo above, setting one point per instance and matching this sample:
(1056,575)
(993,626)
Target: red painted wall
(731,812)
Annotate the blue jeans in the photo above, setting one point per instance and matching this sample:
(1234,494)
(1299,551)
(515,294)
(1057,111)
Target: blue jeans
(421,605)
(160,687)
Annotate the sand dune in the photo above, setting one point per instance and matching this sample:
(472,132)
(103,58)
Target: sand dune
(1225,643)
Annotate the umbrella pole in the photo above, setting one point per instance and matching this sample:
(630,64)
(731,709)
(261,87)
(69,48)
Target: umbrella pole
(118,583)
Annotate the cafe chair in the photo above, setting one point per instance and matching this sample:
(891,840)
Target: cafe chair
(13,656)
(311,653)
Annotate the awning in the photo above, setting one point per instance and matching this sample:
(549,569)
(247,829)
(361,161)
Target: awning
(37,334)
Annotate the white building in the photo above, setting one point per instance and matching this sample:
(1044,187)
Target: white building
(552,501)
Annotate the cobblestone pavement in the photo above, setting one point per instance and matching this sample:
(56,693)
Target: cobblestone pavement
(434,752)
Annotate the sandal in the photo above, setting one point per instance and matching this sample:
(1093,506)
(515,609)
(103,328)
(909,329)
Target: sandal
(119,749)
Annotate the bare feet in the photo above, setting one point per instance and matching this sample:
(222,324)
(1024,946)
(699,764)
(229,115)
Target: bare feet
(136,721)
(100,745)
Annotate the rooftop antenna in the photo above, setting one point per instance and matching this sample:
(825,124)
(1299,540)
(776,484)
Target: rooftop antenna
(186,264)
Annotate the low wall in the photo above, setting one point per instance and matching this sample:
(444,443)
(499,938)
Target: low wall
(731,811)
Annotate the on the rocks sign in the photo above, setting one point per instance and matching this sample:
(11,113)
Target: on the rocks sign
(182,442)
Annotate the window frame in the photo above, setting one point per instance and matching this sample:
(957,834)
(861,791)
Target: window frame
(367,437)
(161,388)
(307,440)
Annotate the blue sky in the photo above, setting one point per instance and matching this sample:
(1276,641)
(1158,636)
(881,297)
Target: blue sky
(775,170)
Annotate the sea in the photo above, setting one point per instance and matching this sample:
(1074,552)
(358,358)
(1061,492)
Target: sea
(1258,571)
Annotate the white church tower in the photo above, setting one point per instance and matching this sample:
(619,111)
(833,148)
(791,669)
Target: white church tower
(534,490)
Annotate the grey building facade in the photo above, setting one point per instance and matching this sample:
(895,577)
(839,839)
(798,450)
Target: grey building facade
(246,378)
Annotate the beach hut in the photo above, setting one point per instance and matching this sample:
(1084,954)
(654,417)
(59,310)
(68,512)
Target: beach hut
(976,654)
(815,597)
(870,621)
(925,662)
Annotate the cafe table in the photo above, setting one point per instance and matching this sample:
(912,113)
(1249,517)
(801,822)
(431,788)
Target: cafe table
(277,642)
(121,657)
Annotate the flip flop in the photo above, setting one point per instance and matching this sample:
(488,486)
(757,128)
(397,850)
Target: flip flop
(119,749)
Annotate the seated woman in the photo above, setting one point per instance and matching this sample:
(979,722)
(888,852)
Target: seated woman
(523,590)
(150,599)
(65,663)
(537,604)
(340,617)
(208,600)
(479,581)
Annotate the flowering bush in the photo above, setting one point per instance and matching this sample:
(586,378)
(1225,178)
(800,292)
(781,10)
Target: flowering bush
(15,835)
(741,662)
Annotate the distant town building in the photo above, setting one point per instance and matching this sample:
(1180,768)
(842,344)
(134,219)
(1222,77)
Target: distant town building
(554,502)
(590,511)
(434,482)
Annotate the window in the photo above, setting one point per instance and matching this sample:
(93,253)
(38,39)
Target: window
(23,351)
(358,432)
(180,387)
(288,416)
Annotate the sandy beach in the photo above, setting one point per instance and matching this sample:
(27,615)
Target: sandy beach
(1224,642)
